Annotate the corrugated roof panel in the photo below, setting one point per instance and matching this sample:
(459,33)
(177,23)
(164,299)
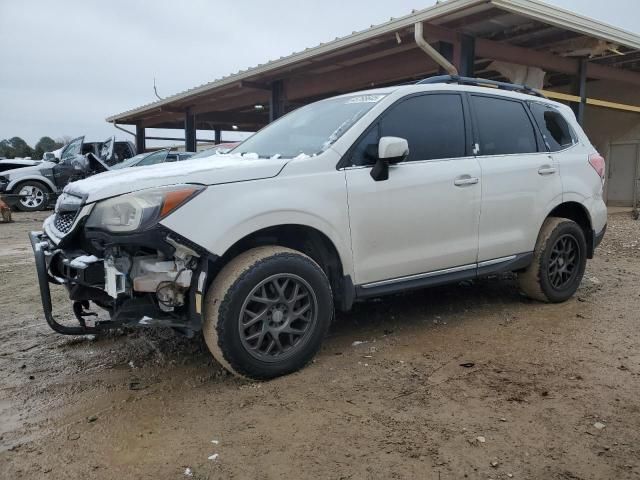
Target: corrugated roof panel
(449,10)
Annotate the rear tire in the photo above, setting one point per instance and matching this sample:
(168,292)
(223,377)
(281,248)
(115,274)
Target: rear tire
(37,196)
(267,312)
(559,261)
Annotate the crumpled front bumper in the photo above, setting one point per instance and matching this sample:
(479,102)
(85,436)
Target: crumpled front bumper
(41,248)
(63,267)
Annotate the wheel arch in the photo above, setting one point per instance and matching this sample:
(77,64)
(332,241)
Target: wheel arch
(308,240)
(32,178)
(578,213)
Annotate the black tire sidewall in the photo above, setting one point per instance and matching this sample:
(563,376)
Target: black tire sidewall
(565,228)
(33,183)
(229,340)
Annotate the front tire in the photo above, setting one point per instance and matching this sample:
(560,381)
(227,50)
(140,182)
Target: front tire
(267,312)
(559,261)
(34,196)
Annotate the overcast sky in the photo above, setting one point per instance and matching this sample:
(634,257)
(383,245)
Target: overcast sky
(66,65)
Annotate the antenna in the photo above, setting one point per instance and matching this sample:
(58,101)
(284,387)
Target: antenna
(155,89)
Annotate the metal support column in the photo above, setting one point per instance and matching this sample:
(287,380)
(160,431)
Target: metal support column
(465,63)
(579,88)
(218,136)
(189,131)
(140,139)
(446,50)
(582,85)
(276,101)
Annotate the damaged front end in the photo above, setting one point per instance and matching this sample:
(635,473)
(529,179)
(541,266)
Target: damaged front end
(115,254)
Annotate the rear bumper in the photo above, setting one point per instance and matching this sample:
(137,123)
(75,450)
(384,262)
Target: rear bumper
(597,237)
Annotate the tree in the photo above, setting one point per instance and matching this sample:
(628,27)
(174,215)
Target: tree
(63,140)
(45,144)
(15,147)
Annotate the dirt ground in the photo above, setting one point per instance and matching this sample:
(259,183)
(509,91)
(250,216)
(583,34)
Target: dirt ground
(466,381)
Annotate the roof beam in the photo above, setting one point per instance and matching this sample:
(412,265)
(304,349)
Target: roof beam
(383,71)
(232,117)
(254,85)
(472,19)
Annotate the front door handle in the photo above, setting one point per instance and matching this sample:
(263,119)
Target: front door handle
(547,170)
(463,180)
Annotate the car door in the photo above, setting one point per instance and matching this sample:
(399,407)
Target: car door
(71,165)
(106,151)
(520,178)
(424,218)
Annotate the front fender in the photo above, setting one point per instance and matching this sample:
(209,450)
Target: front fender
(224,214)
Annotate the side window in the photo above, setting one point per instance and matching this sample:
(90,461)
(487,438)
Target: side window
(432,124)
(366,149)
(503,126)
(122,151)
(555,129)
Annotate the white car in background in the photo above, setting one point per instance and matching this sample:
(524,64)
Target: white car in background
(345,199)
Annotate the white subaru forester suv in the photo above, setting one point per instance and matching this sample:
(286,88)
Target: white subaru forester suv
(353,197)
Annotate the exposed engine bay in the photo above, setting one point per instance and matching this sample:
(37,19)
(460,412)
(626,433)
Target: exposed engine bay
(135,283)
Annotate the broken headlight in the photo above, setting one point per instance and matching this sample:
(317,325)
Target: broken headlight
(140,210)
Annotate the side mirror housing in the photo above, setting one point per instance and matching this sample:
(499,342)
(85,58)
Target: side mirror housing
(391,150)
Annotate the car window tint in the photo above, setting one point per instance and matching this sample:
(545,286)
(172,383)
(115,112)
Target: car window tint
(366,150)
(503,126)
(432,124)
(555,129)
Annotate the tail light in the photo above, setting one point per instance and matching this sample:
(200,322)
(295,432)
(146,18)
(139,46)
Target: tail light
(597,162)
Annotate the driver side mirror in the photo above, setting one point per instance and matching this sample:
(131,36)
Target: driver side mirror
(391,150)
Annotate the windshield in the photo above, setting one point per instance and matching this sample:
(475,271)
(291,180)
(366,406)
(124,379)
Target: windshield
(142,159)
(309,130)
(73,149)
(129,161)
(218,149)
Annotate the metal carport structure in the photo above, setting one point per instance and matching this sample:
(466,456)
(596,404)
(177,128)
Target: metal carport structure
(574,52)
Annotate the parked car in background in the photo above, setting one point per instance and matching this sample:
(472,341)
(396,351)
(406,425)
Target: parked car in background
(38,185)
(219,149)
(346,199)
(120,150)
(152,158)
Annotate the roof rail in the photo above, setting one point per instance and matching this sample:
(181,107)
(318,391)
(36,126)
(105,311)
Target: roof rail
(481,82)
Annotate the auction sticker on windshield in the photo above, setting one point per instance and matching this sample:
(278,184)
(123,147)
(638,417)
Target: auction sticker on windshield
(365,99)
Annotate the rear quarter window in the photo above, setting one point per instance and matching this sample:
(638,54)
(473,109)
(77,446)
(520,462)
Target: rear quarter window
(555,130)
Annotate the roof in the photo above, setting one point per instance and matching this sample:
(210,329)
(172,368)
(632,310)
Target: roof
(529,24)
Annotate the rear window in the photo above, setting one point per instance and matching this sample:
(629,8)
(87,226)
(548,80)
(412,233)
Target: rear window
(555,129)
(503,126)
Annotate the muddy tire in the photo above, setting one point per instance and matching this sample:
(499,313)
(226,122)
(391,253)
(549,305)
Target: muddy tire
(36,196)
(267,312)
(559,261)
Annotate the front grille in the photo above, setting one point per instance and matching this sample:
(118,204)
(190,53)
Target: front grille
(64,221)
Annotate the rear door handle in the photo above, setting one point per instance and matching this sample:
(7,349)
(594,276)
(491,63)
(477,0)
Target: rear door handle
(547,170)
(463,180)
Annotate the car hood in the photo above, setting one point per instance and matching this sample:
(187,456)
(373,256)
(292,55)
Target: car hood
(205,171)
(35,169)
